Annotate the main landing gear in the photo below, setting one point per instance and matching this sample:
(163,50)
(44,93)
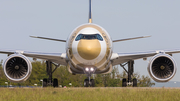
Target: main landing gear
(50,81)
(129,80)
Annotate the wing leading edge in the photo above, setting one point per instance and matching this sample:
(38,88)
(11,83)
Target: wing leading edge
(119,58)
(59,58)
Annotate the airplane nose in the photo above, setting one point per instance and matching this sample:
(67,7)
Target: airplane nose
(89,49)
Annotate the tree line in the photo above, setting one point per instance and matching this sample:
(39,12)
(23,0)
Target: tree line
(113,79)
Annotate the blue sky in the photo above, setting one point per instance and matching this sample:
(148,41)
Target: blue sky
(121,18)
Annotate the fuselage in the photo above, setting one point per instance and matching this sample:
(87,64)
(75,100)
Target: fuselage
(89,45)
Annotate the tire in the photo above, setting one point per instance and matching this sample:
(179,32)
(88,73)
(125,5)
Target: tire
(86,83)
(92,83)
(124,82)
(134,82)
(44,82)
(55,83)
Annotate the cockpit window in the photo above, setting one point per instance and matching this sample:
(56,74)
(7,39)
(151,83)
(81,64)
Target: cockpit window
(89,37)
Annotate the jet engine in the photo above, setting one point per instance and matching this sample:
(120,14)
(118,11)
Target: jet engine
(162,68)
(17,68)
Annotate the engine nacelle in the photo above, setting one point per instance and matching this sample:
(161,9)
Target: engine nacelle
(17,68)
(162,68)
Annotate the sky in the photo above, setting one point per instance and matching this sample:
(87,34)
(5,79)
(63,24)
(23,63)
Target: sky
(121,18)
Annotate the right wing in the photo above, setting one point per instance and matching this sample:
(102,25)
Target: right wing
(59,58)
(48,38)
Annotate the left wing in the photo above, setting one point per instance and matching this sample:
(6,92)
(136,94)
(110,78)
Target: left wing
(59,58)
(131,38)
(119,58)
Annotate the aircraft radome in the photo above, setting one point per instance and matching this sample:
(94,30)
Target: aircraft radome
(89,51)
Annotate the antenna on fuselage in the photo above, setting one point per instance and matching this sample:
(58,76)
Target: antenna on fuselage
(90,13)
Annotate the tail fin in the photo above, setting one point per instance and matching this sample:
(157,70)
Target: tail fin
(90,13)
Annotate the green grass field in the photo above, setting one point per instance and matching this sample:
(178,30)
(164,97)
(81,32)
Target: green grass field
(89,94)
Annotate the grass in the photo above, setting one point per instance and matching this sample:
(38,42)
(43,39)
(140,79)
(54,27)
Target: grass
(89,94)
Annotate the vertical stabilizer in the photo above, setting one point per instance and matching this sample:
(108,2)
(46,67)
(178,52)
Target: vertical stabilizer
(90,13)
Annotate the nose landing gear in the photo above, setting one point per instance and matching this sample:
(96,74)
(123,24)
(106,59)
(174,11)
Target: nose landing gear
(89,82)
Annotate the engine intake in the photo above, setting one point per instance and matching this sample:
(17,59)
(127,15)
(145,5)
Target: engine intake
(17,68)
(162,67)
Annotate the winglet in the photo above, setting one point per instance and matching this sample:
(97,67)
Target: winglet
(90,13)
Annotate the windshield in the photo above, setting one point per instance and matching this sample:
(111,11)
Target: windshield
(89,37)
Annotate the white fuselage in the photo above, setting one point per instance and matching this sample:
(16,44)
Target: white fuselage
(89,45)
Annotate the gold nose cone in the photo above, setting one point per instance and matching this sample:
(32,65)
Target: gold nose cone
(89,49)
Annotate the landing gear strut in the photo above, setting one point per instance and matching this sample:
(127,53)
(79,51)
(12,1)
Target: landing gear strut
(129,80)
(50,81)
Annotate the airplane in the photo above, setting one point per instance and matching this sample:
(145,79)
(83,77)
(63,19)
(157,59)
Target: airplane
(89,50)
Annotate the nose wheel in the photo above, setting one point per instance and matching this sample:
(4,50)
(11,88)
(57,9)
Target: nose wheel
(92,83)
(88,83)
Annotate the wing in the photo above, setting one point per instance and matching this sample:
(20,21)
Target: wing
(59,58)
(118,58)
(48,38)
(131,38)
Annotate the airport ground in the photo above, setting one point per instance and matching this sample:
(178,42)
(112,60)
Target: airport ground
(90,94)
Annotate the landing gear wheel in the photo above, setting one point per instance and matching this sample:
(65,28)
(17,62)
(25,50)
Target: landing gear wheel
(134,82)
(92,83)
(124,82)
(55,83)
(44,82)
(86,83)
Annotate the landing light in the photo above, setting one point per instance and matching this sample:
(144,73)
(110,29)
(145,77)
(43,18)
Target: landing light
(92,69)
(87,69)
